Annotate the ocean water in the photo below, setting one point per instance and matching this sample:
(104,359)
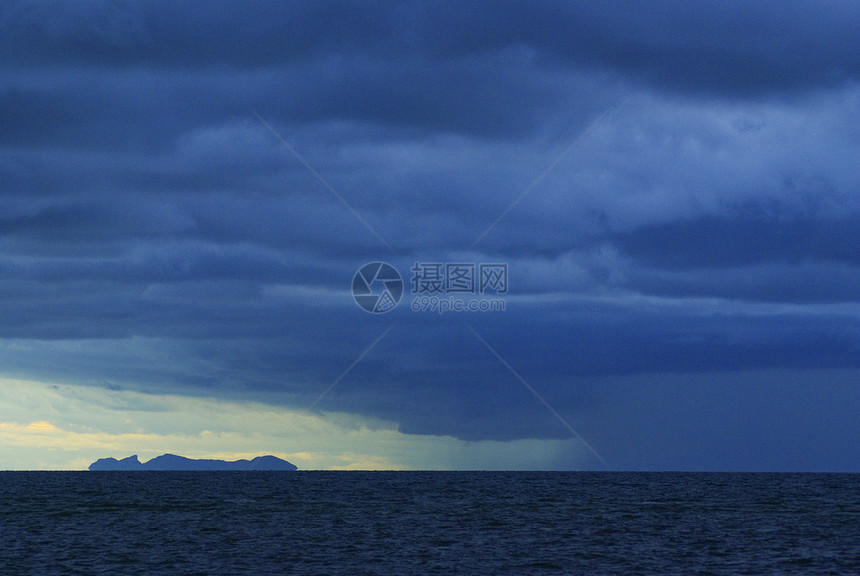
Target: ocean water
(390,523)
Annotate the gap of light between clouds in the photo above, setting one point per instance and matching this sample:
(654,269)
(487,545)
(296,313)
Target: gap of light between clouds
(62,427)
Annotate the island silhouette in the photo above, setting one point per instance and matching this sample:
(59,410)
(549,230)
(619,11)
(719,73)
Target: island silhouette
(173,462)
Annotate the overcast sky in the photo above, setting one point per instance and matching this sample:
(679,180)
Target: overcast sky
(188,189)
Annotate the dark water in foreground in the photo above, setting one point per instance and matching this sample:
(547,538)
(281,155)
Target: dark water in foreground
(391,523)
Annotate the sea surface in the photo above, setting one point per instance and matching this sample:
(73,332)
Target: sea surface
(390,523)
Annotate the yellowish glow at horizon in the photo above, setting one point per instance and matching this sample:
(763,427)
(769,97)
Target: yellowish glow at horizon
(64,427)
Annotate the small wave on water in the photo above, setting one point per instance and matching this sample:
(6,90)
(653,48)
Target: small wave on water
(386,523)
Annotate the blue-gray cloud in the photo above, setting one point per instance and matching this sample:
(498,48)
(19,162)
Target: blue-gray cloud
(155,234)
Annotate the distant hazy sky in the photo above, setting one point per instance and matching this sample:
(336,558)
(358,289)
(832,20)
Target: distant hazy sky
(188,188)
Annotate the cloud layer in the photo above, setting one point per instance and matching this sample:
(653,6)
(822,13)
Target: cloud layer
(188,191)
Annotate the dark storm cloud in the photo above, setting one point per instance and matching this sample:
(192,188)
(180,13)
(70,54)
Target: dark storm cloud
(731,48)
(191,35)
(432,67)
(154,234)
(770,420)
(728,47)
(805,282)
